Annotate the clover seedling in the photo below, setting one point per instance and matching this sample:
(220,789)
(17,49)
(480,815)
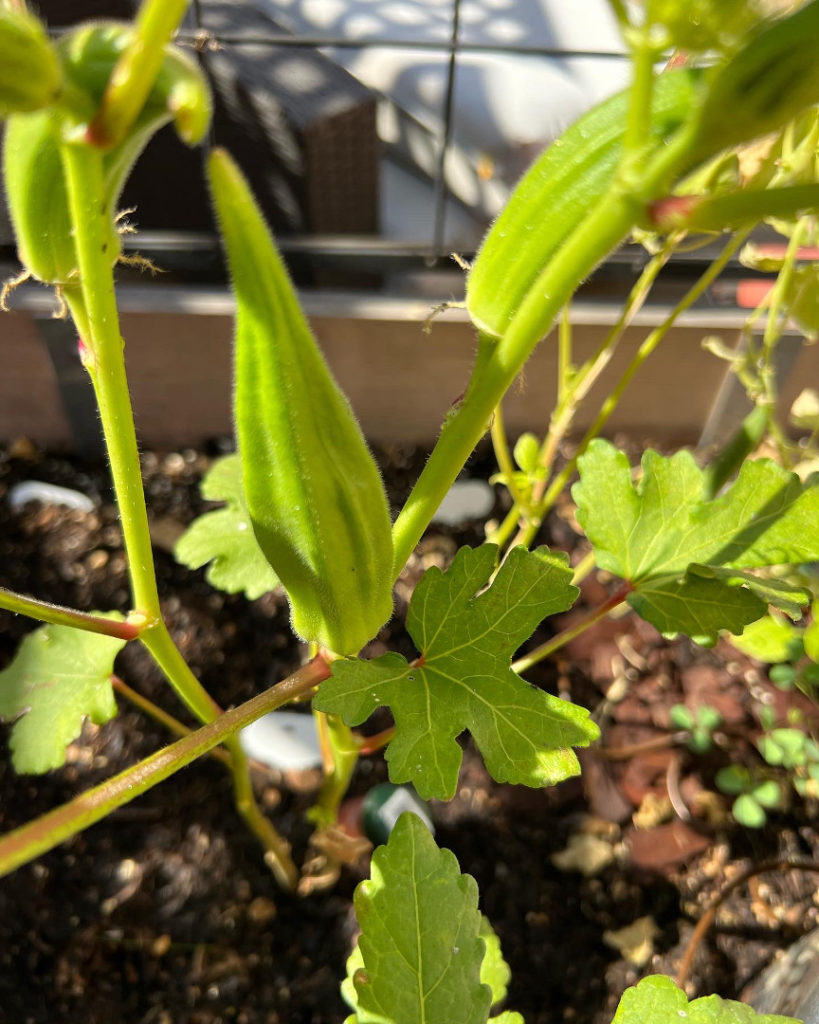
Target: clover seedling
(699,724)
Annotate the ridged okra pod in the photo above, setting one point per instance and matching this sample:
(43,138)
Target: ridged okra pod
(556,194)
(767,83)
(313,490)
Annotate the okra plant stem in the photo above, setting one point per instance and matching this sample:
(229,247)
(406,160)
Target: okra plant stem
(60,616)
(584,623)
(93,304)
(503,457)
(604,229)
(643,352)
(578,388)
(44,833)
(771,336)
(643,56)
(608,223)
(173,725)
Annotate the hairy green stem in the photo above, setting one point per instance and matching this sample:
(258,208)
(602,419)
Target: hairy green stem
(771,336)
(498,364)
(643,352)
(60,616)
(44,833)
(638,121)
(566,410)
(586,622)
(135,71)
(503,456)
(340,751)
(584,567)
(94,307)
(97,320)
(173,725)
(564,355)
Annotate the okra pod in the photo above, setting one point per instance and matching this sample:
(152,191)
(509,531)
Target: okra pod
(313,490)
(765,85)
(556,194)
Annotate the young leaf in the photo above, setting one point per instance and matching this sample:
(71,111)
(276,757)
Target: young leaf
(463,679)
(494,969)
(420,952)
(675,547)
(58,677)
(748,811)
(527,452)
(225,537)
(658,1000)
(698,607)
(771,639)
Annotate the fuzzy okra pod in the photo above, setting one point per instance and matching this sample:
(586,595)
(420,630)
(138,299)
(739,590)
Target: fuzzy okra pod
(313,490)
(767,83)
(35,181)
(555,196)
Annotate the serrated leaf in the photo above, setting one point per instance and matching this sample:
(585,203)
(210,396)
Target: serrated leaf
(419,955)
(658,1000)
(780,594)
(771,639)
(225,537)
(494,969)
(698,607)
(463,679)
(659,528)
(58,677)
(494,972)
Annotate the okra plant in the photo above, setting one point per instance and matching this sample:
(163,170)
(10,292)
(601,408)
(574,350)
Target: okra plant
(305,507)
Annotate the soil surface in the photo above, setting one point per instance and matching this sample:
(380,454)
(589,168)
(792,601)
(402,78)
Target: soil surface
(166,914)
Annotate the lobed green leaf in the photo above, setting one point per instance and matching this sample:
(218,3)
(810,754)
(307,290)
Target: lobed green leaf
(658,1000)
(225,537)
(467,636)
(685,556)
(58,677)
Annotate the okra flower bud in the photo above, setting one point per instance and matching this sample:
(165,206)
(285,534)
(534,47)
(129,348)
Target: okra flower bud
(312,488)
(30,75)
(35,182)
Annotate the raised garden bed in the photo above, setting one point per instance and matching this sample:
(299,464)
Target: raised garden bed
(166,913)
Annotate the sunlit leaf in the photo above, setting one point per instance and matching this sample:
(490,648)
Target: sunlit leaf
(59,677)
(463,679)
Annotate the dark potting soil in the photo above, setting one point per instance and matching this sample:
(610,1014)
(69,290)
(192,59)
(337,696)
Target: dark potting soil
(165,912)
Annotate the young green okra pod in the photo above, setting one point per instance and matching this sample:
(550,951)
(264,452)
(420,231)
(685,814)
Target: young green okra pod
(313,490)
(555,196)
